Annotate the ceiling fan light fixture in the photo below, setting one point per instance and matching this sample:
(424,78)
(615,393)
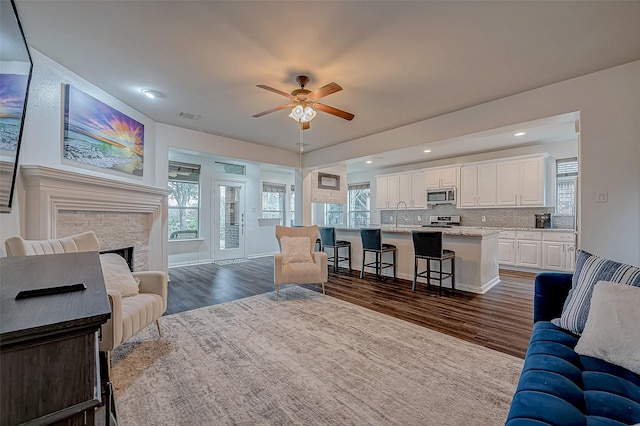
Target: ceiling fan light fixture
(302,114)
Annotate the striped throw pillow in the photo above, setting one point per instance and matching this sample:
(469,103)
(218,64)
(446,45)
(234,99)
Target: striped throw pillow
(589,270)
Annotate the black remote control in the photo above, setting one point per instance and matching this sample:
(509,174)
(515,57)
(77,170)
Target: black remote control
(24,294)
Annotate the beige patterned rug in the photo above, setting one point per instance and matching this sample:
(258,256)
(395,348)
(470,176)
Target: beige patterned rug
(306,360)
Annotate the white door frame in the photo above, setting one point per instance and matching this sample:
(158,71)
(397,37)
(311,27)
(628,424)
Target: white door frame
(216,252)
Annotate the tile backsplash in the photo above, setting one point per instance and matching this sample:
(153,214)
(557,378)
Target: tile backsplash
(499,218)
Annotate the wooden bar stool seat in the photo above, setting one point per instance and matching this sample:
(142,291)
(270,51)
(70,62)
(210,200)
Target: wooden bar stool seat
(428,246)
(328,239)
(372,242)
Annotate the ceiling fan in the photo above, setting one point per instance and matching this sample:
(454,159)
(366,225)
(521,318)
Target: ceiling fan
(304,102)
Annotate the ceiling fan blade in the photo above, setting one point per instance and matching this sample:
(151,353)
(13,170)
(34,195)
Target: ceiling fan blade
(306,125)
(334,111)
(278,108)
(325,90)
(276,91)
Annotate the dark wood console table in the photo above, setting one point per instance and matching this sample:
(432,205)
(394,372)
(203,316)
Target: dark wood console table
(49,363)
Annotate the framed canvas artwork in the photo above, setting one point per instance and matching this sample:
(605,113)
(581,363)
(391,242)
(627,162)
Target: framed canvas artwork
(98,135)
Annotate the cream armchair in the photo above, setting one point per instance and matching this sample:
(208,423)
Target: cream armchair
(312,272)
(129,314)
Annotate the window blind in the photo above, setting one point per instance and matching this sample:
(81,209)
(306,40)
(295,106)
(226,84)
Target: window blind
(183,172)
(274,187)
(363,185)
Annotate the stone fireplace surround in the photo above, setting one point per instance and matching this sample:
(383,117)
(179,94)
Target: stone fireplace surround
(59,203)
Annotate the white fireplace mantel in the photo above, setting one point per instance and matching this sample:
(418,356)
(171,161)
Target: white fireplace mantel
(49,191)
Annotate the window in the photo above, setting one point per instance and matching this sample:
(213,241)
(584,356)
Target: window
(292,206)
(184,200)
(234,169)
(359,204)
(273,199)
(566,175)
(333,214)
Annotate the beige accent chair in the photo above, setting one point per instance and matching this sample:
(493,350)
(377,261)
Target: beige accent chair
(129,314)
(300,273)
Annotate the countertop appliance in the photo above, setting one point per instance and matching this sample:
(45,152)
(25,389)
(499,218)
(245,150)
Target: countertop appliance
(543,220)
(443,222)
(441,196)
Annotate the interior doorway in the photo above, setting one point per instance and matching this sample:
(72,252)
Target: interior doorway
(228,220)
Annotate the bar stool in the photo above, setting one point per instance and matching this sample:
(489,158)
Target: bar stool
(328,239)
(372,242)
(428,246)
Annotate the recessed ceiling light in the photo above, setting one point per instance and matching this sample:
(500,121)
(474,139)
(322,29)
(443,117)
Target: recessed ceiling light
(368,161)
(520,134)
(427,151)
(151,94)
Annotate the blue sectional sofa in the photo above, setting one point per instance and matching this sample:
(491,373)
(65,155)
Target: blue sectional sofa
(560,387)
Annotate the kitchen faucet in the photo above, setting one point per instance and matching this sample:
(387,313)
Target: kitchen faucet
(398,208)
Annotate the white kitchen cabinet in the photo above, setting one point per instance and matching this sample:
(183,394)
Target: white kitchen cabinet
(570,259)
(387,191)
(442,178)
(412,190)
(521,182)
(545,250)
(553,257)
(506,251)
(558,251)
(477,186)
(529,249)
(529,254)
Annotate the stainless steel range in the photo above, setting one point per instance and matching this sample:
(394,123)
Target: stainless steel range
(443,222)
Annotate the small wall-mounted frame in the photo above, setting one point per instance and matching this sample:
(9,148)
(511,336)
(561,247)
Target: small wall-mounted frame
(328,181)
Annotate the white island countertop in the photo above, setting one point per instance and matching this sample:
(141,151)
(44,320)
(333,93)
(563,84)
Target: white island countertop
(469,231)
(464,231)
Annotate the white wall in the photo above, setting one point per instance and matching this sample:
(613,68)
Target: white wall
(609,106)
(42,134)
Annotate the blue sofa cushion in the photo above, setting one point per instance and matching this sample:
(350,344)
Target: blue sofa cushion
(560,387)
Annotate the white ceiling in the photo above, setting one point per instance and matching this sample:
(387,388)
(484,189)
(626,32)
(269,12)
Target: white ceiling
(398,62)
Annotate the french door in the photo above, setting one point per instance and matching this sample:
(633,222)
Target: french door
(229,220)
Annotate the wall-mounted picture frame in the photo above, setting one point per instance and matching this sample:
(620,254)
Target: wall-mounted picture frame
(328,181)
(98,135)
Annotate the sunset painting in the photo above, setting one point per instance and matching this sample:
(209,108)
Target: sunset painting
(97,135)
(13,90)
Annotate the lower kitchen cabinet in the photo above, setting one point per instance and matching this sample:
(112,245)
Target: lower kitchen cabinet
(507,248)
(529,254)
(549,251)
(558,251)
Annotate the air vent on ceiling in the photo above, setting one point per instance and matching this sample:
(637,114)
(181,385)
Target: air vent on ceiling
(188,116)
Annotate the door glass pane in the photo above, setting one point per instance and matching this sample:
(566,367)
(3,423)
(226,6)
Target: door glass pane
(229,217)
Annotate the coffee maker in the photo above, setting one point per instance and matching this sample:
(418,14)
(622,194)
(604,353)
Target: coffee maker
(543,220)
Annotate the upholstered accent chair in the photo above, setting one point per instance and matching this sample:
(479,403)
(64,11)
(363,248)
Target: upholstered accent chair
(297,263)
(129,314)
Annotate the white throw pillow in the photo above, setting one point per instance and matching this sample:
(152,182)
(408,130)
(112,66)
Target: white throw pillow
(612,331)
(117,275)
(589,270)
(295,250)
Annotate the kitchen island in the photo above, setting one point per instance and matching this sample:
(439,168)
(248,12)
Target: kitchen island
(476,254)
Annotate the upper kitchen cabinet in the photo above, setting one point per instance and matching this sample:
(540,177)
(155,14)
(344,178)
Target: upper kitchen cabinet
(522,182)
(477,185)
(387,191)
(413,190)
(442,177)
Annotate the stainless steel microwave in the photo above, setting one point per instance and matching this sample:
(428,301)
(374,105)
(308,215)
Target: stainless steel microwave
(441,196)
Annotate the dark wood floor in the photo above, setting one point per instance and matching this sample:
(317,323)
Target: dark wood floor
(501,319)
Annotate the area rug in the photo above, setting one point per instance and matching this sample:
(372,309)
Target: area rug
(306,359)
